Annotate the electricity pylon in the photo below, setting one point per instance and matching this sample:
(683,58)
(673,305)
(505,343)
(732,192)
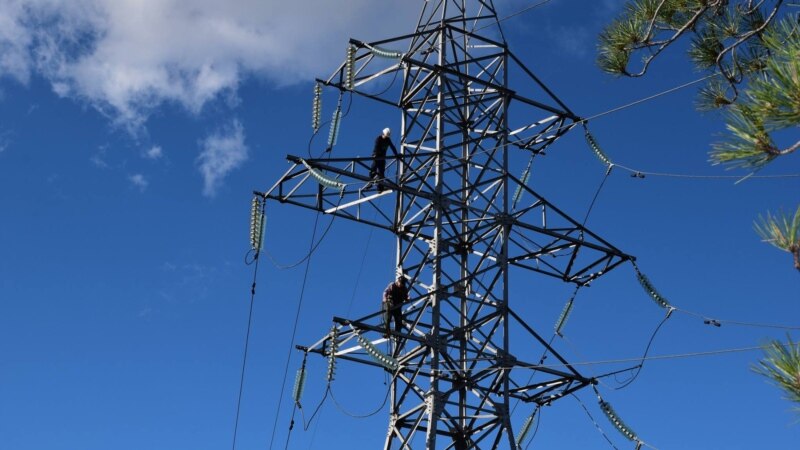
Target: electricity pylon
(460,224)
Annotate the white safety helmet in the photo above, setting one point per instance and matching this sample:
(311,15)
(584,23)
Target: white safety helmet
(387,132)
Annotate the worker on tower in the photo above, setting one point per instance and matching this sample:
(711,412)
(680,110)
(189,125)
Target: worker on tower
(394,296)
(376,171)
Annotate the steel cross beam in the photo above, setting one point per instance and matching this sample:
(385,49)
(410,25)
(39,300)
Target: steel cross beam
(460,227)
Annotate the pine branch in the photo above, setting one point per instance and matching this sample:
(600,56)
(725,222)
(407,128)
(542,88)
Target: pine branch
(782,232)
(781,364)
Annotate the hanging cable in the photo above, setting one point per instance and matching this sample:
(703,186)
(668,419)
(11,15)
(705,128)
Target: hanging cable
(294,330)
(535,430)
(362,416)
(314,247)
(256,211)
(526,428)
(639,366)
(597,194)
(596,425)
(719,322)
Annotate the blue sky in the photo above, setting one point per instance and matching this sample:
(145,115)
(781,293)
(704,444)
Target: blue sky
(132,135)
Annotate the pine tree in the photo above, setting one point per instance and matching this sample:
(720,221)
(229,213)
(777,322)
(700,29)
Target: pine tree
(752,50)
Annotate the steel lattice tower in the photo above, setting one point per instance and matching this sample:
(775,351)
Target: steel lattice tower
(459,227)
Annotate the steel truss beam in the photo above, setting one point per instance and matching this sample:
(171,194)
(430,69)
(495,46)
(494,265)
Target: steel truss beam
(458,229)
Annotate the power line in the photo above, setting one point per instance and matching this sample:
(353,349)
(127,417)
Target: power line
(717,322)
(659,357)
(524,10)
(246,344)
(294,329)
(648,98)
(639,366)
(596,425)
(617,361)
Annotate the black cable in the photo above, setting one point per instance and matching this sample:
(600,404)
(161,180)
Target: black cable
(294,330)
(639,366)
(363,416)
(246,341)
(596,425)
(313,249)
(306,425)
(535,430)
(363,260)
(597,194)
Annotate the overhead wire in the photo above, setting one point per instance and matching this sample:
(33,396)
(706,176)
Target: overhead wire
(608,361)
(717,322)
(246,339)
(535,430)
(369,414)
(459,160)
(294,332)
(638,367)
(596,425)
(645,357)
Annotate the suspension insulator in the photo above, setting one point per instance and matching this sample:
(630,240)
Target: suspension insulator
(316,110)
(322,179)
(595,146)
(651,290)
(384,53)
(523,181)
(379,357)
(618,423)
(332,354)
(299,384)
(333,135)
(349,67)
(526,429)
(256,223)
(562,319)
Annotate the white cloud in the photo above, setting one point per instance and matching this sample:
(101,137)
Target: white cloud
(154,152)
(222,152)
(139,181)
(127,57)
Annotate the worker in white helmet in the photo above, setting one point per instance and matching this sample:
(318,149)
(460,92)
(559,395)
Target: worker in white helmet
(376,171)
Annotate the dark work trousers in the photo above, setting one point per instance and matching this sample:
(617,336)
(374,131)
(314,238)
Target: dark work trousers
(392,313)
(378,169)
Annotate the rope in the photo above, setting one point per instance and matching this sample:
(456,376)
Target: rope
(246,344)
(294,331)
